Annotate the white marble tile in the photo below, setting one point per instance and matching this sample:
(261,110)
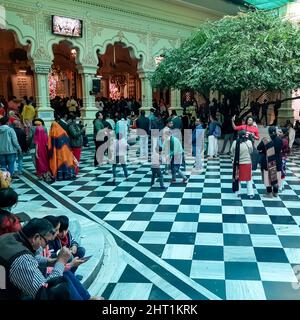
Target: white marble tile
(154,195)
(180,226)
(287,230)
(140,189)
(293,255)
(192,195)
(252,203)
(235,228)
(211,202)
(170,201)
(176,189)
(265,241)
(103,207)
(134,226)
(105,188)
(239,254)
(79,194)
(154,237)
(244,290)
(210,217)
(116,194)
(117,216)
(277,211)
(292,204)
(258,219)
(145,208)
(178,251)
(131,291)
(70,188)
(20,191)
(209,239)
(164,216)
(281,272)
(130,200)
(232,210)
(211,190)
(188,209)
(207,270)
(90,200)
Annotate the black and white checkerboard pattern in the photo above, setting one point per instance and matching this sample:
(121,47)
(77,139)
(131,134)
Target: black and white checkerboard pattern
(236,247)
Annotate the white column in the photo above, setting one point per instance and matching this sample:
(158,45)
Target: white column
(146,91)
(89,110)
(45,112)
(176,102)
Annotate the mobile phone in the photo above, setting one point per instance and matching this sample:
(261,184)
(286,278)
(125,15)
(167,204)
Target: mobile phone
(86,258)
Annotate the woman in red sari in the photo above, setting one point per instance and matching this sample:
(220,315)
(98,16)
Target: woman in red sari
(40,139)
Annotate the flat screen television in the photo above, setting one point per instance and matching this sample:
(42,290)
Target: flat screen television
(68,27)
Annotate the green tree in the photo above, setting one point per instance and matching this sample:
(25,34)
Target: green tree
(251,51)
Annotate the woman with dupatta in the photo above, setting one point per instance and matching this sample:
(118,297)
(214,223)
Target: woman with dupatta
(40,140)
(61,159)
(241,149)
(271,162)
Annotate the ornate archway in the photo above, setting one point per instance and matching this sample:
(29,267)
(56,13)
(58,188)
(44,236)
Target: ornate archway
(16,75)
(64,78)
(118,70)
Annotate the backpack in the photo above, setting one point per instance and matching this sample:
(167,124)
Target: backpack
(217,132)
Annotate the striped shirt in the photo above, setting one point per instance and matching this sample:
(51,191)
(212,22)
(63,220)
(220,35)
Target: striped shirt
(26,275)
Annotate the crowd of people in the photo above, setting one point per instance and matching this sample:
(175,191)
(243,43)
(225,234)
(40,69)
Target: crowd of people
(40,254)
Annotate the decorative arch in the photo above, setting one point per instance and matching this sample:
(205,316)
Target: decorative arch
(22,40)
(135,53)
(73,44)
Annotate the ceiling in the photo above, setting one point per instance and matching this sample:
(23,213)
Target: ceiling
(264,4)
(216,6)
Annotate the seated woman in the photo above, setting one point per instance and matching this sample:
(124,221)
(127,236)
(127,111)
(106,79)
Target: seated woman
(77,290)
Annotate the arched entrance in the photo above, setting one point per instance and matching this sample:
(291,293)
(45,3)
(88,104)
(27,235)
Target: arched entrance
(16,76)
(64,78)
(118,71)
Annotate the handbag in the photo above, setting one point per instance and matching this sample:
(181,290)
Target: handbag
(255,158)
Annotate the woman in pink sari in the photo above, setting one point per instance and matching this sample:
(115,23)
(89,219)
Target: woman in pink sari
(40,139)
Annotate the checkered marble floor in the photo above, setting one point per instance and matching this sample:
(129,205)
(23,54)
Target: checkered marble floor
(195,235)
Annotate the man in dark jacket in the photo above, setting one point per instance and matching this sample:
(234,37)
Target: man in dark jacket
(21,136)
(228,132)
(177,122)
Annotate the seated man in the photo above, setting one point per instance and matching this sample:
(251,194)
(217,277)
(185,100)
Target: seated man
(65,239)
(17,255)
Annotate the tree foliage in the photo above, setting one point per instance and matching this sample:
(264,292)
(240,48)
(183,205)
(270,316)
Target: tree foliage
(254,50)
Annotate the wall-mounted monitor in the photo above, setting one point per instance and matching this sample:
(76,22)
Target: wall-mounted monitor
(67,27)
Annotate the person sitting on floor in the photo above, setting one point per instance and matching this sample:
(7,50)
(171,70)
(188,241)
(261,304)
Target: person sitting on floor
(64,239)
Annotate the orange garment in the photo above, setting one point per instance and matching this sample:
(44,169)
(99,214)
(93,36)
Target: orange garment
(61,159)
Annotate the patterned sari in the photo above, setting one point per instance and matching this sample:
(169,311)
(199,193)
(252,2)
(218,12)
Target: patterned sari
(61,159)
(271,162)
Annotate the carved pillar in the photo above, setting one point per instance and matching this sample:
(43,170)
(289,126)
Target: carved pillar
(42,92)
(89,109)
(146,91)
(176,102)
